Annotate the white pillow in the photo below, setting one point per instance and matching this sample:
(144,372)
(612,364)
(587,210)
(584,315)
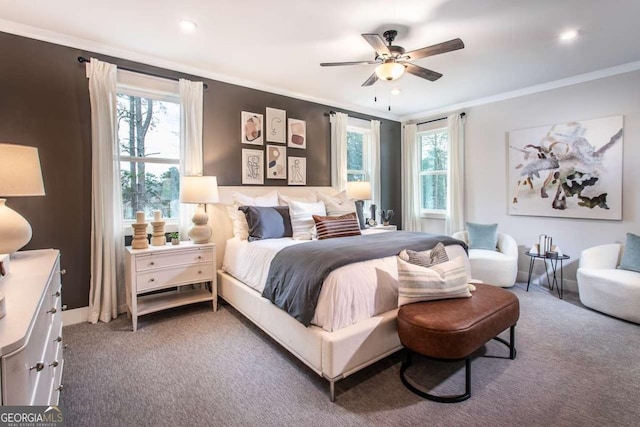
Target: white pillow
(441,281)
(284,200)
(338,204)
(302,217)
(240,226)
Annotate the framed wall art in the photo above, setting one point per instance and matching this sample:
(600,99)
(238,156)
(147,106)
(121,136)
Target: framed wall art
(297,134)
(570,170)
(297,171)
(252,166)
(276,125)
(276,162)
(251,128)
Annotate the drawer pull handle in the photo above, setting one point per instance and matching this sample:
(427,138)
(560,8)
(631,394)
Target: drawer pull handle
(54,364)
(57,294)
(199,257)
(52,311)
(38,367)
(59,339)
(63,272)
(152,263)
(199,271)
(152,280)
(60,388)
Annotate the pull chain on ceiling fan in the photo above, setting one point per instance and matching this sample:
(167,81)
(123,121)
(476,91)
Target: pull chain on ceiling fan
(392,61)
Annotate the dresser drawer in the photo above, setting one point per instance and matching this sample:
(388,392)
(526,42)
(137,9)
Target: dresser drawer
(173,258)
(157,279)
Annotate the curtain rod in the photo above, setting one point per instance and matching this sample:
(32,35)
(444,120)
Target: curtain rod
(82,59)
(437,120)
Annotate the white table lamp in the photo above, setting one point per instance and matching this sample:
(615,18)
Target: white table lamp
(359,190)
(20,176)
(199,190)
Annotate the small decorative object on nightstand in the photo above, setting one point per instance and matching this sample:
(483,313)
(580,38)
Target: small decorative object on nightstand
(140,240)
(175,238)
(386,216)
(157,236)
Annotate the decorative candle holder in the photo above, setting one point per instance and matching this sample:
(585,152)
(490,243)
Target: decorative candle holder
(157,236)
(140,240)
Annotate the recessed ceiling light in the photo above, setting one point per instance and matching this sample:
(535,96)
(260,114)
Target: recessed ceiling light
(568,35)
(187,25)
(395,91)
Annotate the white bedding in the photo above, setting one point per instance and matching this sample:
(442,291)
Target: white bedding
(349,294)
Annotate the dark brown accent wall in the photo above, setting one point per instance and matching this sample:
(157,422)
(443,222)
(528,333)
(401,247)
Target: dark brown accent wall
(44,102)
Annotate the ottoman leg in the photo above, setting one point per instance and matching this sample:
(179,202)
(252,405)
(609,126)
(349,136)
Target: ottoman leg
(442,399)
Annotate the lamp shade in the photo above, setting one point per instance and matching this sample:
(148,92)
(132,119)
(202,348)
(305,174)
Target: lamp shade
(199,189)
(20,173)
(389,70)
(359,190)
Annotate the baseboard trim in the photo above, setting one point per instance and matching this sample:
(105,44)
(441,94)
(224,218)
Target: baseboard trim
(76,315)
(541,280)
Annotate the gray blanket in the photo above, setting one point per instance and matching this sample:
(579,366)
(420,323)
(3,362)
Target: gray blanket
(297,272)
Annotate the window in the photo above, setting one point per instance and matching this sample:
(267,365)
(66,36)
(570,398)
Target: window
(149,139)
(358,167)
(433,146)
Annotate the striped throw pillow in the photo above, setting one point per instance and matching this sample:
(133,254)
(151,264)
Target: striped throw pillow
(442,281)
(302,217)
(434,256)
(329,227)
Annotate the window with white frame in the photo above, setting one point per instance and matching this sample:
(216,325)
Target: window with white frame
(149,140)
(433,147)
(358,156)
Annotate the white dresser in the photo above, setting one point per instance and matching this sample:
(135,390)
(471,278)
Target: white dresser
(162,267)
(31,332)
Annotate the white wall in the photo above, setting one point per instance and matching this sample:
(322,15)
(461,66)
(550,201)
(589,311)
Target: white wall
(486,154)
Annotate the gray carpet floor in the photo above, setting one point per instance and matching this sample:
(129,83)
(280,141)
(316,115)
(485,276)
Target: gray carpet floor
(190,366)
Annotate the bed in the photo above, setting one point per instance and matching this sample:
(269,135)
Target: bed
(337,343)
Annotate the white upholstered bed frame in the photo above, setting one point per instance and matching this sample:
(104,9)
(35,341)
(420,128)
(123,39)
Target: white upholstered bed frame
(333,355)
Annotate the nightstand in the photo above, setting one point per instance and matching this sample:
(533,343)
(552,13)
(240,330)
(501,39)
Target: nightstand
(379,229)
(152,273)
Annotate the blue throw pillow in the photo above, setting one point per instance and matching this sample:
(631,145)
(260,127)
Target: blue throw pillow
(482,236)
(631,256)
(267,222)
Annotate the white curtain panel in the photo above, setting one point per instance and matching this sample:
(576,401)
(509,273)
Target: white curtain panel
(375,164)
(339,151)
(191,101)
(410,180)
(107,238)
(455,178)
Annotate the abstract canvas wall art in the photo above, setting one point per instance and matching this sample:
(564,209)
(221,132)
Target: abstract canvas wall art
(276,162)
(252,166)
(570,170)
(297,134)
(297,171)
(251,128)
(276,125)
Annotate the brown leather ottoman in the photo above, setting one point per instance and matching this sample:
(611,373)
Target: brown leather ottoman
(453,329)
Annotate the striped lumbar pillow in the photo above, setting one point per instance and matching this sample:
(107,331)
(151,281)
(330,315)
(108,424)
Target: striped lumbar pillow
(441,281)
(329,227)
(434,256)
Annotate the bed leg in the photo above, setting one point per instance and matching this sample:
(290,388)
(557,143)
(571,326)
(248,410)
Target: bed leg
(332,391)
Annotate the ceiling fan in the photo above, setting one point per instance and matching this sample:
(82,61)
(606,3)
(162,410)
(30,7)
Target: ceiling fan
(393,61)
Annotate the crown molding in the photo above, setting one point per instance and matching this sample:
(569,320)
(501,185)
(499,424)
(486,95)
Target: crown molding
(569,81)
(31,32)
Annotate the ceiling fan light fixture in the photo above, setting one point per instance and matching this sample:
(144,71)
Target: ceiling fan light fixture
(389,71)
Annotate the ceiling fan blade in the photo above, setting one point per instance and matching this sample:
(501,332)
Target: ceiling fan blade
(335,64)
(377,43)
(422,72)
(371,80)
(436,49)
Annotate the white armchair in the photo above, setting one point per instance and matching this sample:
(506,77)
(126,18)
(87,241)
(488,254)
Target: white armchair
(499,267)
(605,288)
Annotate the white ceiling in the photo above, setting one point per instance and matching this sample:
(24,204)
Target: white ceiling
(277,45)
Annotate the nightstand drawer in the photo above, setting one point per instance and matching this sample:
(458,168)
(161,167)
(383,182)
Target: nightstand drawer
(157,279)
(173,258)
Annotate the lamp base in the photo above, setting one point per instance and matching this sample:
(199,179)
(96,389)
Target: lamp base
(15,231)
(200,232)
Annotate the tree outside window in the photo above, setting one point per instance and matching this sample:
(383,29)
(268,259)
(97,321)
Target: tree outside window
(357,160)
(149,139)
(434,156)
